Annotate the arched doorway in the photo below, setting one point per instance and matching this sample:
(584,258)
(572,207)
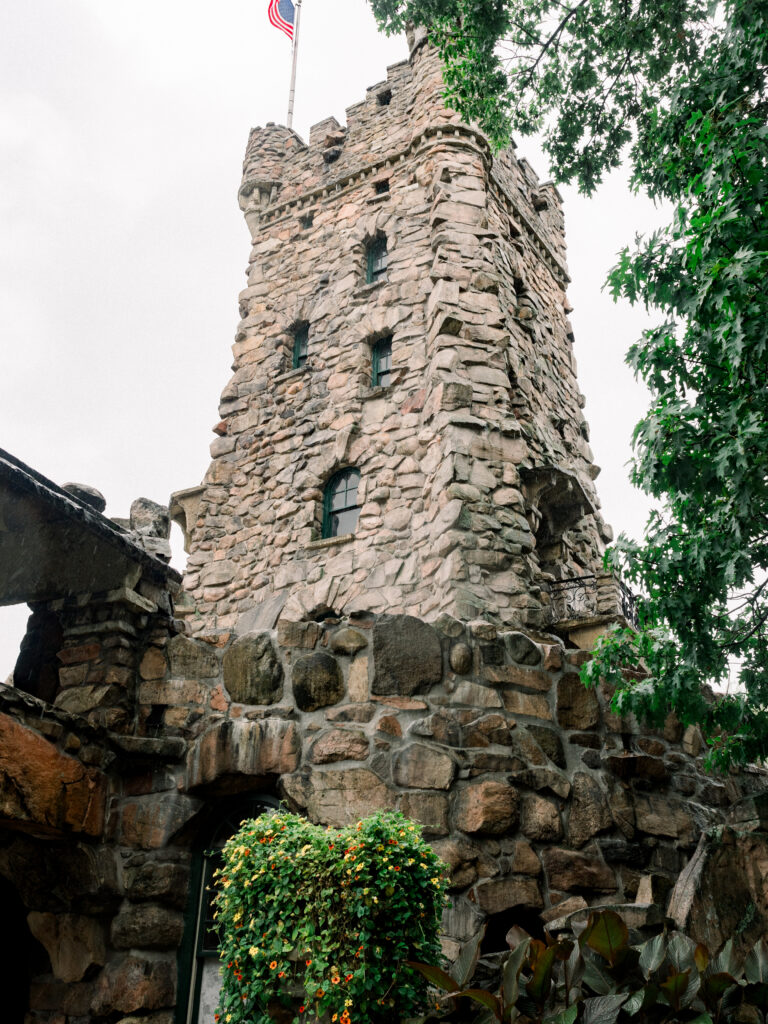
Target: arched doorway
(199,957)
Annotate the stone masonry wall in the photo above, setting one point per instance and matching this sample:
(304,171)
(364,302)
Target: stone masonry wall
(540,801)
(477,478)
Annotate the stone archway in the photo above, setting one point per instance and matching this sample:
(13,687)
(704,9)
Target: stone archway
(16,951)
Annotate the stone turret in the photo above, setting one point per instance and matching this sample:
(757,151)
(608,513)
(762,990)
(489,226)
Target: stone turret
(471,474)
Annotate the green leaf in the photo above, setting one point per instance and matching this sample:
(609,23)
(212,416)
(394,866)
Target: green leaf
(756,963)
(701,958)
(486,999)
(675,987)
(652,954)
(510,977)
(607,934)
(464,967)
(565,1016)
(595,978)
(539,984)
(434,975)
(603,1009)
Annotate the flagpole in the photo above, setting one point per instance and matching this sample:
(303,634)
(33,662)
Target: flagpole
(295,54)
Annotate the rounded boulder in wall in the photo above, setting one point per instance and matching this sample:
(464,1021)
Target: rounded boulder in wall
(407,656)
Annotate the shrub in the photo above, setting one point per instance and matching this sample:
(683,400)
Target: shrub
(318,922)
(597,977)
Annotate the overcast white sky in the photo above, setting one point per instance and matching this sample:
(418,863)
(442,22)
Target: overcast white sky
(122,248)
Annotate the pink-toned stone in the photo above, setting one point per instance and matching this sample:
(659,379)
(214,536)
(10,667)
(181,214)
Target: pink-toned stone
(422,767)
(358,688)
(429,809)
(74,944)
(489,807)
(339,796)
(577,707)
(148,823)
(466,861)
(147,926)
(76,655)
(568,870)
(540,819)
(132,983)
(526,704)
(153,664)
(525,860)
(502,894)
(219,700)
(402,703)
(526,678)
(553,658)
(589,812)
(662,815)
(339,745)
(270,746)
(390,725)
(40,786)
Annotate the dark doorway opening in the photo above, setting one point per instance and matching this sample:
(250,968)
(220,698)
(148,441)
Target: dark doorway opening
(16,951)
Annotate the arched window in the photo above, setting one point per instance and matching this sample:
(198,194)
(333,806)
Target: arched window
(381,363)
(340,507)
(376,260)
(199,956)
(300,345)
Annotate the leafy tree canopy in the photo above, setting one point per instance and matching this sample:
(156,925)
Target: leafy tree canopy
(677,89)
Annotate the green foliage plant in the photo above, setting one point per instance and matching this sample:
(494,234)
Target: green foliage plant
(316,923)
(597,977)
(677,90)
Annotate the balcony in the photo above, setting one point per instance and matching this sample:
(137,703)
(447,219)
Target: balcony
(584,605)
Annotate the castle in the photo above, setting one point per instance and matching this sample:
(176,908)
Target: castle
(394,577)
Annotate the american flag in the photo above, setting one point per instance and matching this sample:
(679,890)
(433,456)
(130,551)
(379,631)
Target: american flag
(281,15)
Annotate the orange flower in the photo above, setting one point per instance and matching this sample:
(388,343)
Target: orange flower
(319,994)
(281,974)
(335,979)
(349,977)
(302,1009)
(307,962)
(273,965)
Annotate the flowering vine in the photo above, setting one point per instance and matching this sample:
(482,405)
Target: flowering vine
(319,921)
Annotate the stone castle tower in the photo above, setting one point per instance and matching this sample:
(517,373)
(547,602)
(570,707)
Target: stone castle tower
(394,575)
(404,342)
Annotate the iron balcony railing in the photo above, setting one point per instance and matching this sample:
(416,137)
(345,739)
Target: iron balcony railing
(591,596)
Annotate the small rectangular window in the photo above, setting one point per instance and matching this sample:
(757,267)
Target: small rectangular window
(376,269)
(300,346)
(384,98)
(382,187)
(381,376)
(306,220)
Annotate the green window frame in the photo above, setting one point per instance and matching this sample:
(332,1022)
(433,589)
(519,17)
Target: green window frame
(340,506)
(376,260)
(300,346)
(199,948)
(381,363)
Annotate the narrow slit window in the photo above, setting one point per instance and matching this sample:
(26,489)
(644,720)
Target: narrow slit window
(376,269)
(340,507)
(381,376)
(300,346)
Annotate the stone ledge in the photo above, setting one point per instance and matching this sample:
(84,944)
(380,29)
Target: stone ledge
(289,374)
(329,542)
